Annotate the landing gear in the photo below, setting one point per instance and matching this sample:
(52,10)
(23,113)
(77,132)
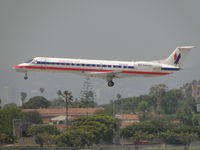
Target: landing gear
(25,77)
(110,83)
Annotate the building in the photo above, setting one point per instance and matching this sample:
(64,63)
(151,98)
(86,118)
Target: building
(49,113)
(194,89)
(127,119)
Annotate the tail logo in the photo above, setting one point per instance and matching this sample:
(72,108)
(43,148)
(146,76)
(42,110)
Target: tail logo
(177,58)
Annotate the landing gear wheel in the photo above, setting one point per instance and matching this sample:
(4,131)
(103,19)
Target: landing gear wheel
(25,77)
(110,83)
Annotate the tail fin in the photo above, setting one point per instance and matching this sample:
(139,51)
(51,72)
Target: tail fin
(178,57)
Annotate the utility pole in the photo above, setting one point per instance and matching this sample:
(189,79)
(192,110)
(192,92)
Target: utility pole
(66,111)
(68,99)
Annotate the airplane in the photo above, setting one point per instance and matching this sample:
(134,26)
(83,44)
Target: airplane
(107,69)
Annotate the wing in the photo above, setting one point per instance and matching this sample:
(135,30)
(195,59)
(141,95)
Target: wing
(104,75)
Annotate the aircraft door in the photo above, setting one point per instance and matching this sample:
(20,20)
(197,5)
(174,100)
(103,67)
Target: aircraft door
(157,68)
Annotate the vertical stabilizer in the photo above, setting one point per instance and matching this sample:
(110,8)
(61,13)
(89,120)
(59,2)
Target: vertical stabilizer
(178,57)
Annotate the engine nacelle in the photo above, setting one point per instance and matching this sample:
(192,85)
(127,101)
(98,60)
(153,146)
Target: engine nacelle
(145,66)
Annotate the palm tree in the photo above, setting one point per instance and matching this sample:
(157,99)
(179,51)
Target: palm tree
(23,97)
(68,99)
(42,90)
(59,93)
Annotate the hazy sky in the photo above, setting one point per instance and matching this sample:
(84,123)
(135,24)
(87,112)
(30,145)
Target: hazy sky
(103,29)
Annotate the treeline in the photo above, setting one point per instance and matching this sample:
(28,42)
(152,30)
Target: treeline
(95,129)
(169,115)
(162,131)
(175,104)
(84,131)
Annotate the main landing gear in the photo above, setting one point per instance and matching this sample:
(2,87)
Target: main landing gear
(26,76)
(111,83)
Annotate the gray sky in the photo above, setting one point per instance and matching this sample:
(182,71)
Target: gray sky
(103,29)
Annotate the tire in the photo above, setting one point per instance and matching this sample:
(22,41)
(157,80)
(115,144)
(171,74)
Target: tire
(111,83)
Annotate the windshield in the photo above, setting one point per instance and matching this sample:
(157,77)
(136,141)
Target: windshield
(29,61)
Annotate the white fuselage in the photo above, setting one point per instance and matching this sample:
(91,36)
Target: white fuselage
(98,68)
(107,69)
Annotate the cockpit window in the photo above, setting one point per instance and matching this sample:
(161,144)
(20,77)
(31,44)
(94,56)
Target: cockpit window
(29,61)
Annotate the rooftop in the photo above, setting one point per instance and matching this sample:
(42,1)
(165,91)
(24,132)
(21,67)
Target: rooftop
(49,111)
(127,116)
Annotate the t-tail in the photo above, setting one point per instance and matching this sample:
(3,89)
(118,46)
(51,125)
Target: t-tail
(177,58)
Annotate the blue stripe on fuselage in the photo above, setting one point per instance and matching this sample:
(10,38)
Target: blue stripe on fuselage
(104,66)
(170,69)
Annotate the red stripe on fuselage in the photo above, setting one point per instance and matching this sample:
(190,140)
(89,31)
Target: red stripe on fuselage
(92,70)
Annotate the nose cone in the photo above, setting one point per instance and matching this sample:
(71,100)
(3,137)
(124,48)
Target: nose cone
(19,67)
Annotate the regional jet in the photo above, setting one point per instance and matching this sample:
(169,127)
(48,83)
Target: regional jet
(107,69)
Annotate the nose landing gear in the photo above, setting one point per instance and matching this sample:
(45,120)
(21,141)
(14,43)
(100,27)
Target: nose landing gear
(25,77)
(111,83)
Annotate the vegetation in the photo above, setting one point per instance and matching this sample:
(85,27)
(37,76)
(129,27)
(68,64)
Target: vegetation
(7,117)
(23,97)
(89,130)
(7,114)
(160,100)
(32,117)
(43,134)
(167,115)
(87,95)
(37,102)
(165,131)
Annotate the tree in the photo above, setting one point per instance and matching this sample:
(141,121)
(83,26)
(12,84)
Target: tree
(33,117)
(196,119)
(10,105)
(103,127)
(78,138)
(187,88)
(119,96)
(169,102)
(152,127)
(185,115)
(87,94)
(143,108)
(171,137)
(68,99)
(7,114)
(191,102)
(43,133)
(138,136)
(42,90)
(59,93)
(37,102)
(120,102)
(158,91)
(23,97)
(57,103)
(6,139)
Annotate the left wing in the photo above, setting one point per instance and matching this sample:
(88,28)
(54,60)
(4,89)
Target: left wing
(104,75)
